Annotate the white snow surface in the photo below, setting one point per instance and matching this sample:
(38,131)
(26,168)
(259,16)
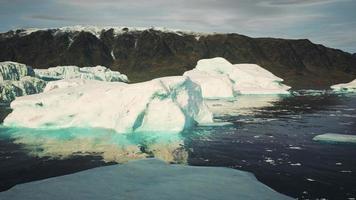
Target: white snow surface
(345,87)
(339,138)
(148,179)
(168,104)
(219,78)
(100,73)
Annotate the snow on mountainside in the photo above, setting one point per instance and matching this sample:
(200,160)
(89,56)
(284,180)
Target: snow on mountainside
(168,104)
(219,78)
(97,30)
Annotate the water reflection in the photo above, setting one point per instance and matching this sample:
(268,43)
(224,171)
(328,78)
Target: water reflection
(242,105)
(64,143)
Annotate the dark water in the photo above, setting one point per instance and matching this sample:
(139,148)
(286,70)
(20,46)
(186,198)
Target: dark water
(271,140)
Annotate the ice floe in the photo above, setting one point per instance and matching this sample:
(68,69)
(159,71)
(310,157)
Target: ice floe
(168,104)
(338,138)
(147,179)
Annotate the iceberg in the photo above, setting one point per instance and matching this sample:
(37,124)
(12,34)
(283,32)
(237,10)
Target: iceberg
(147,179)
(169,104)
(337,138)
(17,79)
(26,86)
(219,78)
(100,73)
(345,87)
(13,71)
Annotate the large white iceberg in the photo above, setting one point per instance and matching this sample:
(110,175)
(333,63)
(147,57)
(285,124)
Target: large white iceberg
(147,179)
(100,73)
(219,78)
(168,104)
(345,87)
(16,80)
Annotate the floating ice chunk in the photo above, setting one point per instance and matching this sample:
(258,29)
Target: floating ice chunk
(221,79)
(100,73)
(168,104)
(345,87)
(147,179)
(13,71)
(9,90)
(16,80)
(331,137)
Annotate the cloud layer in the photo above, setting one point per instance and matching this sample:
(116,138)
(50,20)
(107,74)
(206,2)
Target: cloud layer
(319,20)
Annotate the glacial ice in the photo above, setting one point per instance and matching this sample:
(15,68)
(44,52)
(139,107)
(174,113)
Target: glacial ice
(345,87)
(338,138)
(26,86)
(73,72)
(16,80)
(13,71)
(219,78)
(147,179)
(168,104)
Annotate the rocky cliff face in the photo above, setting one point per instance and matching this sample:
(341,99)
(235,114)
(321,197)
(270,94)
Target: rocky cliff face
(146,54)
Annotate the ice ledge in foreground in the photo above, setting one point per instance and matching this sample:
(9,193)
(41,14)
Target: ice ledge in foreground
(338,138)
(345,87)
(219,78)
(147,179)
(168,104)
(100,73)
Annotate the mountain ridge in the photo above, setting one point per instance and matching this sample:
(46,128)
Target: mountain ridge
(144,54)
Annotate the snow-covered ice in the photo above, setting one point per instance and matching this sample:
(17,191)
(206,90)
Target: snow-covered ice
(219,78)
(100,73)
(345,87)
(168,104)
(332,137)
(147,179)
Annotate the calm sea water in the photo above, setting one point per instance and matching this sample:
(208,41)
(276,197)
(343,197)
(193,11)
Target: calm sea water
(270,136)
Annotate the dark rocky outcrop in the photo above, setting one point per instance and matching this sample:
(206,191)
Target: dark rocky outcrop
(147,54)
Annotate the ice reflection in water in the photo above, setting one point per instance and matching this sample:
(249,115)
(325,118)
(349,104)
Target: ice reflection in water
(63,143)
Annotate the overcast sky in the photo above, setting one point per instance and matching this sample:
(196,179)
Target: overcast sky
(329,22)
